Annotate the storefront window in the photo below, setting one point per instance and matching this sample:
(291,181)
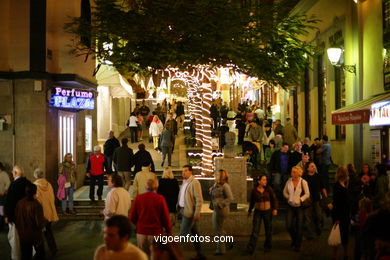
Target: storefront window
(67,138)
(88,133)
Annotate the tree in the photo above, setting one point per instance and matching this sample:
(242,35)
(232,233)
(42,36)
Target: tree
(140,36)
(256,37)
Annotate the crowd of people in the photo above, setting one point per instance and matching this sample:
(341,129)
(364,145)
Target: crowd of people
(359,203)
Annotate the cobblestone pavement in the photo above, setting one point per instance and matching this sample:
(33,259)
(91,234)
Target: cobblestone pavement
(78,240)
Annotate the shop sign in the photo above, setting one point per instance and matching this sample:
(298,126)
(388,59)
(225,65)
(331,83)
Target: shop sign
(351,117)
(72,98)
(380,114)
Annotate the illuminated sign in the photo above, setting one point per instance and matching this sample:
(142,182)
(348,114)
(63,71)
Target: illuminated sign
(380,114)
(72,98)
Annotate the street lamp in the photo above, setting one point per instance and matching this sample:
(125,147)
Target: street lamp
(334,55)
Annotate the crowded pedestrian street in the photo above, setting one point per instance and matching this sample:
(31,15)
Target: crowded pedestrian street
(208,129)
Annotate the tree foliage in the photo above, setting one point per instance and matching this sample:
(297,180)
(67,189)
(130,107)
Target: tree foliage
(138,36)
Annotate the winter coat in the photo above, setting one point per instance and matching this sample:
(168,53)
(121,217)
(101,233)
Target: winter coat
(61,187)
(166,138)
(156,128)
(45,196)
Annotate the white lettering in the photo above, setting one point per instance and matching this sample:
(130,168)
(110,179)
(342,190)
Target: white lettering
(58,91)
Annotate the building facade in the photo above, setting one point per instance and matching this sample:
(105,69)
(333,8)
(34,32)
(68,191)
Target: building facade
(47,96)
(326,90)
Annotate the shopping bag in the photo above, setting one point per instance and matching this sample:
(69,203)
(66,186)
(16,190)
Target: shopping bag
(334,238)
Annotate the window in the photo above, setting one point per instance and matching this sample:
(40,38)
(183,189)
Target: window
(340,99)
(321,81)
(88,133)
(67,137)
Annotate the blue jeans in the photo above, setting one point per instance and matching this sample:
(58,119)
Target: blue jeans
(68,198)
(188,226)
(266,216)
(294,225)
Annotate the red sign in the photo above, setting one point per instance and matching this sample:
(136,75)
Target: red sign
(351,117)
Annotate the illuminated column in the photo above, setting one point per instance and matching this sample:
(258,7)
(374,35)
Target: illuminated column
(207,162)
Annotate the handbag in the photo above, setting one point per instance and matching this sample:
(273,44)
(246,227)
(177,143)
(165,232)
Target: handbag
(334,238)
(307,202)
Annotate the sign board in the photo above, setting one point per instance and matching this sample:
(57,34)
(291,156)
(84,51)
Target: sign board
(375,145)
(351,117)
(72,98)
(380,114)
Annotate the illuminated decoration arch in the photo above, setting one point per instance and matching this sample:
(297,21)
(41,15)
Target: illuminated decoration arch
(199,96)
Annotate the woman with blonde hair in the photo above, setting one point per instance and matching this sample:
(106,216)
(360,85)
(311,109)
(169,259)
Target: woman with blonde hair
(45,196)
(221,197)
(155,130)
(169,188)
(296,191)
(341,208)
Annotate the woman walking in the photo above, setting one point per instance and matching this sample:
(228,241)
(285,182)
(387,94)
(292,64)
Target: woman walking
(169,188)
(133,125)
(45,196)
(341,208)
(155,130)
(221,196)
(265,203)
(296,191)
(66,183)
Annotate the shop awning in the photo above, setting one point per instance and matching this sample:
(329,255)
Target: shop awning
(357,113)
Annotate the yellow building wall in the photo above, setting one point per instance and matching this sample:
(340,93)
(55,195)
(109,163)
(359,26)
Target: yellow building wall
(15,33)
(371,13)
(60,43)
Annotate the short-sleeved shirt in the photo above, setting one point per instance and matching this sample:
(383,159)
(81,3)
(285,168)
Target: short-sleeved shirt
(130,252)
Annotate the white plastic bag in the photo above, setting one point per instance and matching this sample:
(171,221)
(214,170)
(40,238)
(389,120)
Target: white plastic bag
(334,238)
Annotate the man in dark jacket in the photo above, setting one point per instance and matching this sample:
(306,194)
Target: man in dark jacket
(123,161)
(29,221)
(171,125)
(142,157)
(109,147)
(240,125)
(96,165)
(180,115)
(166,146)
(279,168)
(16,192)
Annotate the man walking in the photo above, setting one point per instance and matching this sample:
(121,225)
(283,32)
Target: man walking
(16,192)
(180,115)
(116,241)
(96,165)
(190,203)
(123,159)
(118,199)
(141,158)
(290,134)
(166,146)
(151,216)
(140,180)
(109,147)
(30,221)
(325,151)
(171,125)
(279,168)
